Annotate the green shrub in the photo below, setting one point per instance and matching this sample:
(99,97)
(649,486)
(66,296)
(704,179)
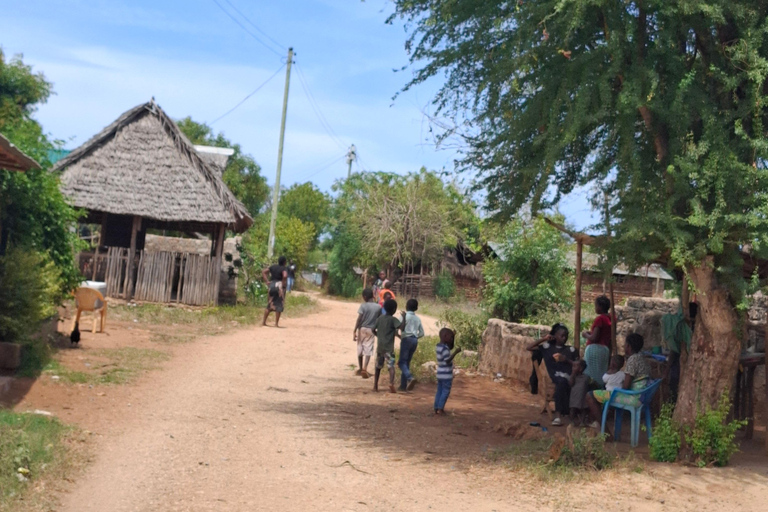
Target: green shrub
(712,438)
(586,452)
(667,437)
(469,327)
(444,285)
(30,287)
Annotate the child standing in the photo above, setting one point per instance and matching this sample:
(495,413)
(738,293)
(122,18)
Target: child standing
(385,331)
(367,316)
(579,387)
(445,354)
(614,377)
(411,332)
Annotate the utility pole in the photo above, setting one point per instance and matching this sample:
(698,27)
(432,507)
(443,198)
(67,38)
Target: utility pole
(276,194)
(351,157)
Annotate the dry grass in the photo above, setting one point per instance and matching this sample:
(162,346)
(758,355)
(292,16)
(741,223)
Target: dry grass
(114,366)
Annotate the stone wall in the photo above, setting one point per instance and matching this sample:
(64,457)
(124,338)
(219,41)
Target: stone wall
(643,315)
(503,349)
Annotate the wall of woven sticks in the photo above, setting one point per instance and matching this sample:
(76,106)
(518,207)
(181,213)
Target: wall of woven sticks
(177,277)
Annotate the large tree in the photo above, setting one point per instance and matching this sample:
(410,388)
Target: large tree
(659,104)
(242,175)
(309,204)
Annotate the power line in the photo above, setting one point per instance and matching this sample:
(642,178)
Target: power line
(316,108)
(238,11)
(257,38)
(321,169)
(249,95)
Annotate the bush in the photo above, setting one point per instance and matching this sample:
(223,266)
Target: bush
(666,440)
(712,438)
(444,285)
(586,452)
(469,327)
(30,287)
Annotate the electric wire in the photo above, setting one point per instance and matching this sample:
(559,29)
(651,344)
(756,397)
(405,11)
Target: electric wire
(257,38)
(318,112)
(238,11)
(321,169)
(249,95)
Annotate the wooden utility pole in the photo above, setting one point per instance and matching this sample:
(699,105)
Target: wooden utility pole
(351,157)
(276,193)
(577,305)
(609,271)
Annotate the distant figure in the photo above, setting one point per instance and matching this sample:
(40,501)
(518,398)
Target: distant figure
(291,276)
(276,278)
(74,338)
(386,293)
(367,316)
(558,358)
(411,332)
(385,331)
(598,351)
(379,284)
(445,354)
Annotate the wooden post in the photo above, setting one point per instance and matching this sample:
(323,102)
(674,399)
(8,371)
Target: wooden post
(577,300)
(103,228)
(765,406)
(131,255)
(95,261)
(217,259)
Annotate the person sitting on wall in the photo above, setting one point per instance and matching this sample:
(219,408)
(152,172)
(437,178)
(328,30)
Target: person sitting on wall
(558,358)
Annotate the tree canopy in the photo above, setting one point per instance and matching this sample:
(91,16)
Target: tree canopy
(242,175)
(309,204)
(659,105)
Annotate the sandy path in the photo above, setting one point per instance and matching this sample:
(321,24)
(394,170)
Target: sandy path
(272,419)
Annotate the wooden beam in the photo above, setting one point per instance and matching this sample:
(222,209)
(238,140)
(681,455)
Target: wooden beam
(131,256)
(217,258)
(577,300)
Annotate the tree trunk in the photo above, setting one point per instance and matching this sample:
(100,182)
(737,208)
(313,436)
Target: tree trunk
(715,347)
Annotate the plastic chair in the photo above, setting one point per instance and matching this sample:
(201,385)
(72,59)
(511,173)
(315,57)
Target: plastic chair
(87,299)
(645,396)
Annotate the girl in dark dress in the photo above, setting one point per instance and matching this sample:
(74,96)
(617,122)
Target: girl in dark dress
(558,358)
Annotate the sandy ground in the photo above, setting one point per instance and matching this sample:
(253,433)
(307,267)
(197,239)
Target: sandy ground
(273,419)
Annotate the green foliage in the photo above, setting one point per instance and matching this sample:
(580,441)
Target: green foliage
(586,452)
(711,439)
(29,446)
(294,239)
(346,252)
(469,327)
(531,275)
(242,175)
(30,285)
(310,205)
(444,285)
(667,436)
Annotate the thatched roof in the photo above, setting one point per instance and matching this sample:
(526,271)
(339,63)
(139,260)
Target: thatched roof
(143,165)
(13,159)
(215,157)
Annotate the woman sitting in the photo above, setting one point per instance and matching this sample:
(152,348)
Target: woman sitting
(558,357)
(598,351)
(637,374)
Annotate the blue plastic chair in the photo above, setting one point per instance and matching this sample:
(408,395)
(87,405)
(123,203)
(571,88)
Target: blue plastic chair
(645,396)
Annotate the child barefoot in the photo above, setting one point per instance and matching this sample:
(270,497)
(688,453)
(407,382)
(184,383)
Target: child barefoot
(386,328)
(411,332)
(579,387)
(614,377)
(367,316)
(445,355)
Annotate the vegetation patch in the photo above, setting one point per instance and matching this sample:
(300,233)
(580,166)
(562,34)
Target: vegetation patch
(111,366)
(31,447)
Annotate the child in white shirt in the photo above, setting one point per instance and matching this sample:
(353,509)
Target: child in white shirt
(614,378)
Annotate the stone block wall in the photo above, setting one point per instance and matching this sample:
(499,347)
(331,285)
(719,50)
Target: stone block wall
(643,315)
(503,349)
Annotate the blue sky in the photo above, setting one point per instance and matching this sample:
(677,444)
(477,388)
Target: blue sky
(105,57)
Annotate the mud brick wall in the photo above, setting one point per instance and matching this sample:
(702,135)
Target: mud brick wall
(503,349)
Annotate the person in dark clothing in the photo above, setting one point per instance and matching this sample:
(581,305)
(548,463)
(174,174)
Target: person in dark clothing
(558,358)
(276,278)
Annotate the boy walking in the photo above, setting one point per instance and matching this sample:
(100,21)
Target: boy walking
(411,332)
(385,331)
(367,316)
(445,354)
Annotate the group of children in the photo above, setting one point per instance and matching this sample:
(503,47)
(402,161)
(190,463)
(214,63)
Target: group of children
(376,319)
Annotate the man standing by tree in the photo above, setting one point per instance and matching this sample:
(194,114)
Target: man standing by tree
(661,106)
(276,278)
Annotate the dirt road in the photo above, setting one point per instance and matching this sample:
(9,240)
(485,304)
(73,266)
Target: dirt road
(273,419)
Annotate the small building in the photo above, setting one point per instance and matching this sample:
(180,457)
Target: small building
(140,175)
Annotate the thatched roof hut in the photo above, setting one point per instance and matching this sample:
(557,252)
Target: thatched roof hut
(13,159)
(141,174)
(142,164)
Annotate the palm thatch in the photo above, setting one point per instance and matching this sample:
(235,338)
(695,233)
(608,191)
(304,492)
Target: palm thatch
(142,164)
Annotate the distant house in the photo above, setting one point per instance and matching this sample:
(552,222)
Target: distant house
(140,175)
(647,281)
